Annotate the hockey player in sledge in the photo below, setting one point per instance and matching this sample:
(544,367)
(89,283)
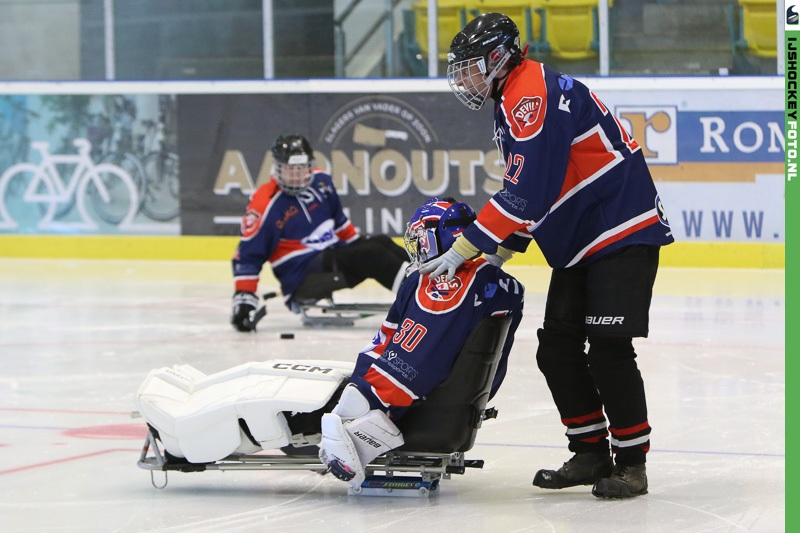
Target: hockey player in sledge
(295,222)
(420,338)
(439,356)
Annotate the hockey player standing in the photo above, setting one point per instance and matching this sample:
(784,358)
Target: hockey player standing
(296,223)
(413,352)
(578,184)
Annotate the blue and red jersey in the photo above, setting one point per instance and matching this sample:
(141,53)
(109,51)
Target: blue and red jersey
(426,328)
(575,180)
(288,232)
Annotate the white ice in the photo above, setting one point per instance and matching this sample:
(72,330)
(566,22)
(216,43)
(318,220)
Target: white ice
(77,337)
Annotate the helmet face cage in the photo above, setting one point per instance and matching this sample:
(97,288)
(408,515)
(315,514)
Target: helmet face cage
(421,239)
(294,177)
(293,163)
(477,55)
(469,80)
(434,227)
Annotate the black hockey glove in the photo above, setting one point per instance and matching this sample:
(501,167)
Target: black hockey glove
(244,310)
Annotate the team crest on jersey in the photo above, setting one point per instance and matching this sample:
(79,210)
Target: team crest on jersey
(526,112)
(441,296)
(250,223)
(441,290)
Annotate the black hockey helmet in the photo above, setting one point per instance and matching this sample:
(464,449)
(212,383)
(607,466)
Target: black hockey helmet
(294,163)
(477,54)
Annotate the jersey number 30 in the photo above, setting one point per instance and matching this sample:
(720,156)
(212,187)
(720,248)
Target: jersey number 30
(409,335)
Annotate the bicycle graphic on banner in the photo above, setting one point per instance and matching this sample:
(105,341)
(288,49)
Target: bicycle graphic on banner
(34,195)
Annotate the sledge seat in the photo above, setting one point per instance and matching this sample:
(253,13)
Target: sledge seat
(448,419)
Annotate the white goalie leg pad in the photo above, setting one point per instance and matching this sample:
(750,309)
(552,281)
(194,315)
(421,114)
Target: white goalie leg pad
(351,404)
(373,434)
(337,451)
(347,447)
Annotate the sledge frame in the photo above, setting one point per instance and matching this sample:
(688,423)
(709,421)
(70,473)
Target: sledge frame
(329,314)
(437,431)
(428,468)
(325,313)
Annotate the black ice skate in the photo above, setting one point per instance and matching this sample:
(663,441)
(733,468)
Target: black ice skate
(582,469)
(625,482)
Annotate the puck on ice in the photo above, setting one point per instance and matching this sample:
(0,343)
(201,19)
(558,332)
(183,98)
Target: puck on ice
(287,335)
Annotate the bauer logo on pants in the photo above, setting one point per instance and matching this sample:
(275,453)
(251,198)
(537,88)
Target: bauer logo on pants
(605,320)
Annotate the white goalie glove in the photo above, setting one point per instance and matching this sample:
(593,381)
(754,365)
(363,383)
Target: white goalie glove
(349,443)
(448,263)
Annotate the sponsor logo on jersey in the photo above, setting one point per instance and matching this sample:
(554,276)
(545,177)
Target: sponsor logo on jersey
(400,366)
(526,112)
(512,200)
(289,213)
(322,236)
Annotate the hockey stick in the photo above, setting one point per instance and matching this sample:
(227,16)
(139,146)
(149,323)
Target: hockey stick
(261,312)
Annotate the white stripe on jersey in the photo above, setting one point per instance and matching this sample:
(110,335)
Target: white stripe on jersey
(613,231)
(488,233)
(394,382)
(291,255)
(618,158)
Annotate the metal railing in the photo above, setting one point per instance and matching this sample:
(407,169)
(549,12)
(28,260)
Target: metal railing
(343,56)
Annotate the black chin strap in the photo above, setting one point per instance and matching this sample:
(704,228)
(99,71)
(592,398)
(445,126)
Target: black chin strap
(496,82)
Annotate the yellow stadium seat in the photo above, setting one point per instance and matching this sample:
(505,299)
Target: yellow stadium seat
(566,29)
(571,28)
(758,20)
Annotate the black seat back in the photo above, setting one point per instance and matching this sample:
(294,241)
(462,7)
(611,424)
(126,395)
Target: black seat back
(447,420)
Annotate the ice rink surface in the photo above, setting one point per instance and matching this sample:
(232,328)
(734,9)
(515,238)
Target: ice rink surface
(77,337)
